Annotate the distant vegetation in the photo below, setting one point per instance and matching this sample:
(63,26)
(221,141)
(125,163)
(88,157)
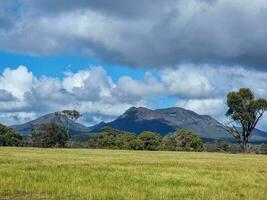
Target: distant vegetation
(244,111)
(8,137)
(50,135)
(110,138)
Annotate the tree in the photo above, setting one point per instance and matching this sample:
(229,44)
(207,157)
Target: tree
(150,140)
(244,111)
(50,135)
(8,137)
(110,138)
(223,145)
(68,115)
(182,140)
(264,149)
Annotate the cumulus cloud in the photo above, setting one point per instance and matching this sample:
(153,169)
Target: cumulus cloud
(213,107)
(186,82)
(140,33)
(17,81)
(93,92)
(128,89)
(6,96)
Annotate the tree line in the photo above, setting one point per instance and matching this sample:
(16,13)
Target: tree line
(51,135)
(110,138)
(244,112)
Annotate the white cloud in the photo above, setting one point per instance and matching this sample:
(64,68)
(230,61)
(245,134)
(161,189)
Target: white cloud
(187,83)
(93,91)
(128,89)
(213,107)
(17,81)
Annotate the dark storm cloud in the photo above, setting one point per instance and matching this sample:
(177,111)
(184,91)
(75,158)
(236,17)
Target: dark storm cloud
(152,33)
(135,8)
(6,96)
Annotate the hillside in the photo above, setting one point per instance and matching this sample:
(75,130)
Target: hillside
(140,119)
(74,128)
(169,120)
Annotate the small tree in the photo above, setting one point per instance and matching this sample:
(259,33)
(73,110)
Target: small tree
(223,145)
(150,140)
(245,111)
(264,149)
(182,140)
(68,115)
(110,138)
(50,135)
(8,137)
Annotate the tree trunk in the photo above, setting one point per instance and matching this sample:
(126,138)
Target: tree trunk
(244,147)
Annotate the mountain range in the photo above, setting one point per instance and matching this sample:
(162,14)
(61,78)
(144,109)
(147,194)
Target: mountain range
(140,119)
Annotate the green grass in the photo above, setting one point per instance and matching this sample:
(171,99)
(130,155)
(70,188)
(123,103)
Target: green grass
(28,173)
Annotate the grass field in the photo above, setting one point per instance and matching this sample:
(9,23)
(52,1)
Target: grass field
(28,173)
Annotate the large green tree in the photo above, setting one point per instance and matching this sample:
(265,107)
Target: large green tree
(110,138)
(50,135)
(8,137)
(150,140)
(68,115)
(182,140)
(245,111)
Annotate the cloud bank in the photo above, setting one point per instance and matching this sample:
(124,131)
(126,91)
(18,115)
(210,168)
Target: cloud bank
(93,92)
(150,33)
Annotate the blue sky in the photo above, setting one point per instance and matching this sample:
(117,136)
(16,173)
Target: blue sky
(104,58)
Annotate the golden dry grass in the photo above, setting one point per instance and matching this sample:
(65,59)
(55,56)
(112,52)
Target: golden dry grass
(30,173)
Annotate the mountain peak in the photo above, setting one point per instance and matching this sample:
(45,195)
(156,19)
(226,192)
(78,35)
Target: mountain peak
(74,127)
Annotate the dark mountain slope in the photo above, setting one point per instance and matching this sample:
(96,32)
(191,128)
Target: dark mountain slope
(169,120)
(74,128)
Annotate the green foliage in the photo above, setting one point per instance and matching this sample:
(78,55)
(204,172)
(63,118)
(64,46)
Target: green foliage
(150,140)
(110,138)
(182,140)
(264,149)
(70,114)
(219,146)
(8,137)
(50,135)
(223,145)
(245,110)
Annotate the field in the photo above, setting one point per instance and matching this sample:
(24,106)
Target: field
(28,173)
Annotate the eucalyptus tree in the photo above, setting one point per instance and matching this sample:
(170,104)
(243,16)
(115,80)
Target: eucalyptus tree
(244,111)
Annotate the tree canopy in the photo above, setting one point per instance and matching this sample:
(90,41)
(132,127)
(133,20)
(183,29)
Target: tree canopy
(150,140)
(182,140)
(50,135)
(110,138)
(245,111)
(8,137)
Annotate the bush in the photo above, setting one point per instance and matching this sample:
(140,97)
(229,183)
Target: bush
(218,146)
(150,140)
(110,138)
(264,148)
(182,140)
(50,135)
(8,137)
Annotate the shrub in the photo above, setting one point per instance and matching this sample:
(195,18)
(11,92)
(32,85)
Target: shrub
(110,138)
(50,135)
(182,140)
(150,140)
(264,148)
(8,137)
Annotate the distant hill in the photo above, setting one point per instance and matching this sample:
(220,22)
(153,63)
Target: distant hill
(140,119)
(74,128)
(168,120)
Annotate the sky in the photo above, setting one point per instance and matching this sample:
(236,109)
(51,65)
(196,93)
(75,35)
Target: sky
(102,57)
